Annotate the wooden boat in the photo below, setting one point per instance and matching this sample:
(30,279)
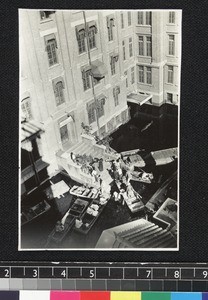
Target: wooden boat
(158,158)
(34,212)
(141,176)
(65,225)
(84,192)
(58,236)
(90,216)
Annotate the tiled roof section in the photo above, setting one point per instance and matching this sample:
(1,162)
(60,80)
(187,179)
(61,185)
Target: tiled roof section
(138,234)
(145,235)
(29,128)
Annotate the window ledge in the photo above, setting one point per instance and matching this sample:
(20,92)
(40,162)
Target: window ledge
(169,83)
(53,66)
(46,20)
(143,83)
(83,53)
(144,25)
(144,56)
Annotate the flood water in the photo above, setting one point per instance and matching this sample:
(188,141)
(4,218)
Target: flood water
(144,131)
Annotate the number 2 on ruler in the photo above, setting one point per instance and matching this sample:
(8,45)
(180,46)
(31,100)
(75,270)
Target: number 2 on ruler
(6,272)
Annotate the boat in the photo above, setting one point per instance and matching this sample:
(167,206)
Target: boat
(34,212)
(141,176)
(84,192)
(56,235)
(141,159)
(66,224)
(90,216)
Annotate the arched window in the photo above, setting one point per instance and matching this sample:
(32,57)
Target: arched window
(26,108)
(58,87)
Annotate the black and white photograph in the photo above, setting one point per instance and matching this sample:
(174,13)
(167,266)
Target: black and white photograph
(99,123)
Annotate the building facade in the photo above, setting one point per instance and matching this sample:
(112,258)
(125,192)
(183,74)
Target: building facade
(126,51)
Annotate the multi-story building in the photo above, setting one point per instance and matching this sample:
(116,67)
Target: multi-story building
(158,43)
(78,67)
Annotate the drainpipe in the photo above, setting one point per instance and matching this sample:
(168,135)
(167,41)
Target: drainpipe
(92,81)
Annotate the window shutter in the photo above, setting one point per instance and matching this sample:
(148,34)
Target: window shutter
(92,26)
(116,57)
(110,21)
(80,31)
(48,39)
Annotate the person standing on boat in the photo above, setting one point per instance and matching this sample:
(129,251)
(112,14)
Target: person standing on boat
(100,165)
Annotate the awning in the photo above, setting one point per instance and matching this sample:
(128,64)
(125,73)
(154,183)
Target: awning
(29,128)
(99,70)
(138,98)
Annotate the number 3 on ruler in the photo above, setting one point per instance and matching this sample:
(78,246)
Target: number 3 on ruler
(35,273)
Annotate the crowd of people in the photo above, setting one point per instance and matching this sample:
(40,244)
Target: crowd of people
(119,189)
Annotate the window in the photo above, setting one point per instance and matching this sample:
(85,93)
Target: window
(91,110)
(130,47)
(141,45)
(149,45)
(122,20)
(102,131)
(171,44)
(149,75)
(118,120)
(113,60)
(132,76)
(116,92)
(140,17)
(45,14)
(100,107)
(113,67)
(86,79)
(64,134)
(148,18)
(81,41)
(26,108)
(124,50)
(126,75)
(92,40)
(170,74)
(110,125)
(110,25)
(169,97)
(51,46)
(59,92)
(141,74)
(145,45)
(124,116)
(129,18)
(171,17)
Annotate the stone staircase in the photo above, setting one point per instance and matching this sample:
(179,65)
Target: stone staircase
(87,147)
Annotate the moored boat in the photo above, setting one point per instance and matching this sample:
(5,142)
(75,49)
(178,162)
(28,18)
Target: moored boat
(34,212)
(84,192)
